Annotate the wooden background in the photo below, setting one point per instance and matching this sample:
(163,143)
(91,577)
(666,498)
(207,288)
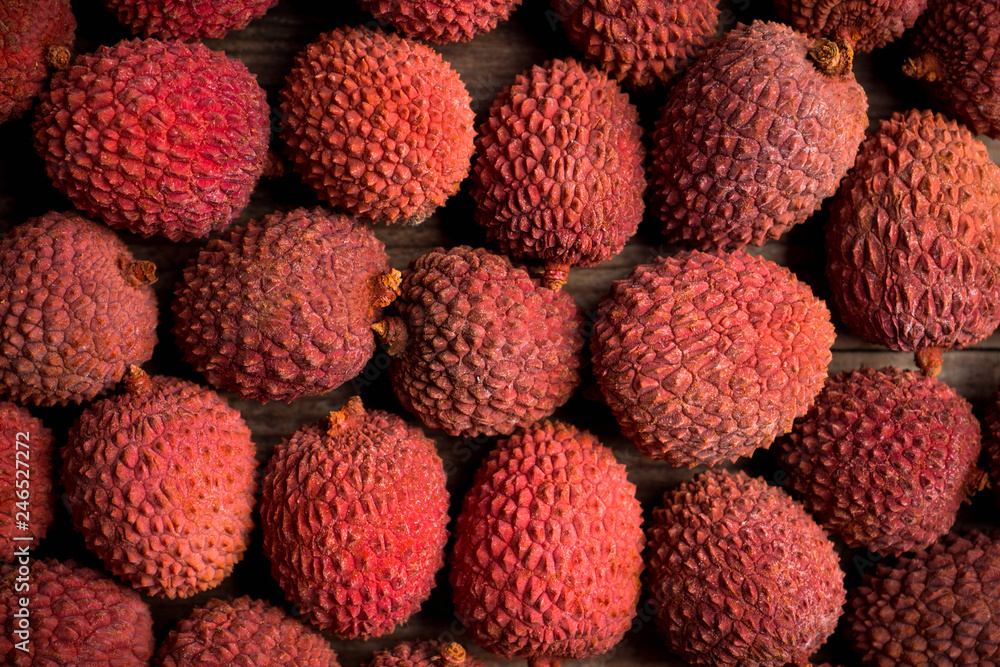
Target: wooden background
(486,64)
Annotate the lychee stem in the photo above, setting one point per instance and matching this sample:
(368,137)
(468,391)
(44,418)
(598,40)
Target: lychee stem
(137,382)
(929,360)
(139,273)
(57,57)
(452,655)
(924,67)
(385,289)
(832,57)
(339,420)
(975,481)
(555,276)
(392,332)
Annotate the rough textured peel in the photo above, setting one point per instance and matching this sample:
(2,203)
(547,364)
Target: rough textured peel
(481,347)
(755,135)
(76,309)
(865,24)
(354,513)
(187,19)
(155,137)
(27,477)
(704,358)
(379,125)
(548,548)
(442,21)
(160,481)
(741,574)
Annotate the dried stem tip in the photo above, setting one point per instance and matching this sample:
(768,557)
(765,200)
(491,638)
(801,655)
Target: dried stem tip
(338,420)
(57,57)
(452,655)
(929,360)
(555,276)
(386,288)
(832,57)
(139,273)
(392,332)
(137,382)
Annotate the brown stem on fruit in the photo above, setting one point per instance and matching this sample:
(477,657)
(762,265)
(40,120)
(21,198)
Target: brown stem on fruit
(137,382)
(452,655)
(57,57)
(924,67)
(339,420)
(555,276)
(138,273)
(832,57)
(976,481)
(385,289)
(929,360)
(392,332)
(274,166)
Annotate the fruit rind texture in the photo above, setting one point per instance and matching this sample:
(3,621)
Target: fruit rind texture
(424,653)
(76,310)
(159,138)
(26,452)
(283,307)
(865,24)
(160,481)
(379,125)
(187,19)
(741,574)
(548,548)
(442,21)
(704,358)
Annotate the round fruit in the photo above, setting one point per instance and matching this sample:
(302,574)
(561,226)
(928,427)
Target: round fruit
(704,358)
(155,137)
(480,347)
(76,310)
(26,448)
(741,574)
(284,307)
(441,21)
(560,176)
(354,514)
(913,241)
(377,124)
(641,44)
(187,19)
(160,481)
(548,548)
(756,134)
(35,39)
(243,632)
(864,24)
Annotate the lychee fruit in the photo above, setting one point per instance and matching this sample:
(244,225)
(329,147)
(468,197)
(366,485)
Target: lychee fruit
(441,21)
(354,513)
(913,242)
(379,125)
(426,653)
(756,134)
(548,548)
(559,176)
(641,44)
(283,307)
(76,616)
(864,24)
(76,310)
(36,37)
(243,631)
(704,358)
(740,574)
(187,19)
(160,480)
(155,137)
(27,498)
(480,347)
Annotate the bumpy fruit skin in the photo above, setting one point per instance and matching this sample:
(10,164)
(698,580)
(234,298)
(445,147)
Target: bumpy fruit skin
(35,37)
(76,310)
(427,653)
(155,137)
(379,125)
(913,242)
(641,44)
(78,616)
(559,175)
(442,21)
(25,445)
(160,481)
(936,607)
(704,358)
(548,548)
(354,514)
(741,574)
(865,24)
(244,632)
(956,54)
(283,307)
(482,348)
(187,19)
(884,458)
(754,137)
